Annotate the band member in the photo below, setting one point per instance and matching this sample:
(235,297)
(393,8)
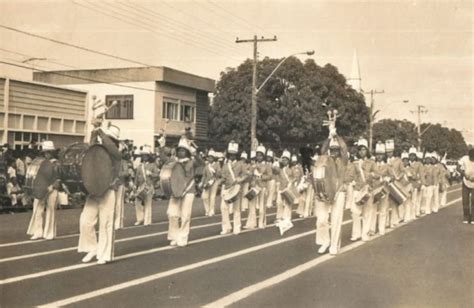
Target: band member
(428,183)
(49,202)
(337,149)
(102,207)
(180,209)
(397,212)
(363,199)
(415,180)
(233,174)
(244,202)
(146,175)
(285,180)
(210,183)
(444,178)
(466,168)
(381,177)
(253,204)
(405,181)
(271,184)
(300,184)
(120,194)
(438,171)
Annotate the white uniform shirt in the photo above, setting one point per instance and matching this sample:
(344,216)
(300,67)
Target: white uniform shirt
(468,166)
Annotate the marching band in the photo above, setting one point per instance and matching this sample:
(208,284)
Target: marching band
(380,191)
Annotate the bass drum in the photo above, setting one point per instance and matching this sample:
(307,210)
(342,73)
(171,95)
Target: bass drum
(172,180)
(86,168)
(325,179)
(40,175)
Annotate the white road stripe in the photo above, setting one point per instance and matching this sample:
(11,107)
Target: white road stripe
(132,227)
(77,234)
(127,239)
(123,257)
(252,289)
(174,271)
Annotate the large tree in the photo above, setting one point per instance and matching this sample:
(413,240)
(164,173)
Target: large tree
(402,132)
(291,106)
(443,140)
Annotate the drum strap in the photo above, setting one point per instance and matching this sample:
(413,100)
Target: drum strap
(362,175)
(229,164)
(286,175)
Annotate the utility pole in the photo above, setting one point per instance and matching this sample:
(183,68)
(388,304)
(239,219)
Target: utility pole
(372,114)
(253,110)
(419,110)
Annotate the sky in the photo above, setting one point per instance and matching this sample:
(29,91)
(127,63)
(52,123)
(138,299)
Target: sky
(420,51)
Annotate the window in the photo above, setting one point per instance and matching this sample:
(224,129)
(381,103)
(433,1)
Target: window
(123,109)
(170,109)
(22,140)
(187,112)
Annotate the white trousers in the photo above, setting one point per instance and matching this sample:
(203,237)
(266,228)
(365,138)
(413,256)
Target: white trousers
(436,199)
(119,207)
(252,215)
(98,209)
(309,201)
(179,216)
(144,212)
(262,208)
(271,193)
(323,237)
(35,227)
(244,202)
(381,207)
(416,202)
(226,225)
(429,199)
(367,215)
(212,198)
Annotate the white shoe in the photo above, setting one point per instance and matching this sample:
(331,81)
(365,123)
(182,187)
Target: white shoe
(101,262)
(34,237)
(464,222)
(353,239)
(88,257)
(333,252)
(138,223)
(173,243)
(225,232)
(236,232)
(182,244)
(323,249)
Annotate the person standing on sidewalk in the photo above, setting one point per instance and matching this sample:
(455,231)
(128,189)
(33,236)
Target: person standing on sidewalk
(466,168)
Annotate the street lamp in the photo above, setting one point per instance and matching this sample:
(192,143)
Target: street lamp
(309,53)
(255,90)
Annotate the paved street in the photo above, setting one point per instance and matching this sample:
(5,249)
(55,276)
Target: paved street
(425,263)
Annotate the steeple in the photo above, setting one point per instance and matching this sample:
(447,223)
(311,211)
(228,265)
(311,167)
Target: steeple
(354,79)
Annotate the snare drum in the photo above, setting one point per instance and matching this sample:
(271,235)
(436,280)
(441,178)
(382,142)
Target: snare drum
(362,196)
(289,196)
(231,194)
(397,193)
(252,193)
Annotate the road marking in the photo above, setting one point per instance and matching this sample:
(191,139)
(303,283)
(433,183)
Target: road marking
(133,227)
(174,271)
(123,257)
(127,239)
(77,234)
(252,289)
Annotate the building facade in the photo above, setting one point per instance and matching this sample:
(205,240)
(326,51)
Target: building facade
(149,100)
(31,112)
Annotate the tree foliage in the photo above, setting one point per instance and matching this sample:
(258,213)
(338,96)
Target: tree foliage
(291,106)
(435,138)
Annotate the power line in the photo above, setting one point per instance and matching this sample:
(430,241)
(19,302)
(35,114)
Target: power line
(74,46)
(242,20)
(139,24)
(30,56)
(177,24)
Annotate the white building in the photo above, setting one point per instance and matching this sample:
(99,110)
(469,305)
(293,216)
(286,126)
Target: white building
(31,112)
(149,99)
